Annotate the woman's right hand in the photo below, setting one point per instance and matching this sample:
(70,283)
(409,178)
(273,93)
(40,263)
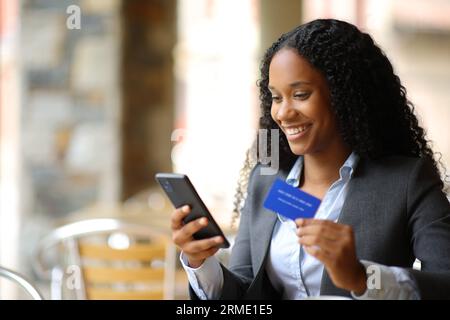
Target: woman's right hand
(196,251)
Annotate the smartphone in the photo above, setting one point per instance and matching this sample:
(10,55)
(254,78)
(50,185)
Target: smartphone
(180,191)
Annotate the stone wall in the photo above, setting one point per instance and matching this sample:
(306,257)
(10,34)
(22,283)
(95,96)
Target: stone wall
(70,110)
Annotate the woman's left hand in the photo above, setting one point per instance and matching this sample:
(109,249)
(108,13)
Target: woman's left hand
(334,245)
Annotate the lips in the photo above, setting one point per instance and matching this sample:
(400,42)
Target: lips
(296,131)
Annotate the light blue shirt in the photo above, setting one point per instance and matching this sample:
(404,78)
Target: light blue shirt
(287,279)
(283,262)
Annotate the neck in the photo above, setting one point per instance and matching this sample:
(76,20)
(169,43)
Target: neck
(322,168)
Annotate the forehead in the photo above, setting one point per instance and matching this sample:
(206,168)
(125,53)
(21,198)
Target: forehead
(288,66)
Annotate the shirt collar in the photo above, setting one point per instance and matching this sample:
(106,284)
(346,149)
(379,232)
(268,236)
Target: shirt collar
(345,172)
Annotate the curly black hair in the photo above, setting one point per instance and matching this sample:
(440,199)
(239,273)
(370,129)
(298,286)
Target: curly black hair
(374,115)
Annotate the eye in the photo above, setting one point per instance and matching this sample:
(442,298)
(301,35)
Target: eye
(302,96)
(276,98)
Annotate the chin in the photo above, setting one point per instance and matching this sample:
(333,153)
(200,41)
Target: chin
(298,150)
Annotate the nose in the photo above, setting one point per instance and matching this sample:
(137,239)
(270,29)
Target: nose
(286,111)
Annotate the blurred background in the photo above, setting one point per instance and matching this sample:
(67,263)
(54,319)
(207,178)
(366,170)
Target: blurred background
(98,96)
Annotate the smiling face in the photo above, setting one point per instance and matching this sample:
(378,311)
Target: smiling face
(301,104)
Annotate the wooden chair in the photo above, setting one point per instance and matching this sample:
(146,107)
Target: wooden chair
(106,269)
(119,282)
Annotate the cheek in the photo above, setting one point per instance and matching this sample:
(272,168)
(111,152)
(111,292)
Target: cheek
(320,110)
(329,118)
(328,130)
(273,112)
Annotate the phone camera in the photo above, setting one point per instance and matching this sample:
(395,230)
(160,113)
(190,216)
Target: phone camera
(167,186)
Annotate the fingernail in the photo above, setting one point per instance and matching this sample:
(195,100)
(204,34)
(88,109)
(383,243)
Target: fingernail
(218,239)
(185,209)
(299,222)
(203,221)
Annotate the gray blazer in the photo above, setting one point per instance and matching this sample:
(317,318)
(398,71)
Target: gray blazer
(398,213)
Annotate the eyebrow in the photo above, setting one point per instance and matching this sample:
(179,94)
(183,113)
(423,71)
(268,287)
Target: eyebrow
(294,84)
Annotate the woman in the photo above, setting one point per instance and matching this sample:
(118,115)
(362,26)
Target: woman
(350,138)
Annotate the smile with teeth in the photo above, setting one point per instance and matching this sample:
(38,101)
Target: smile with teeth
(294,131)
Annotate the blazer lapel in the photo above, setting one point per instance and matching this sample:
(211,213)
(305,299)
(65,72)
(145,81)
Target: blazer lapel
(264,225)
(261,287)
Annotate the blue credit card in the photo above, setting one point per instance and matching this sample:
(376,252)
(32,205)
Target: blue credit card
(291,202)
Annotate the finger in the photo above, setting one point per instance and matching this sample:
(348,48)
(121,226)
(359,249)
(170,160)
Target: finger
(177,217)
(322,230)
(307,222)
(321,242)
(204,254)
(319,254)
(185,233)
(339,228)
(198,246)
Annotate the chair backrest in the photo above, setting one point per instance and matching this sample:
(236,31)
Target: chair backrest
(114,279)
(21,281)
(141,265)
